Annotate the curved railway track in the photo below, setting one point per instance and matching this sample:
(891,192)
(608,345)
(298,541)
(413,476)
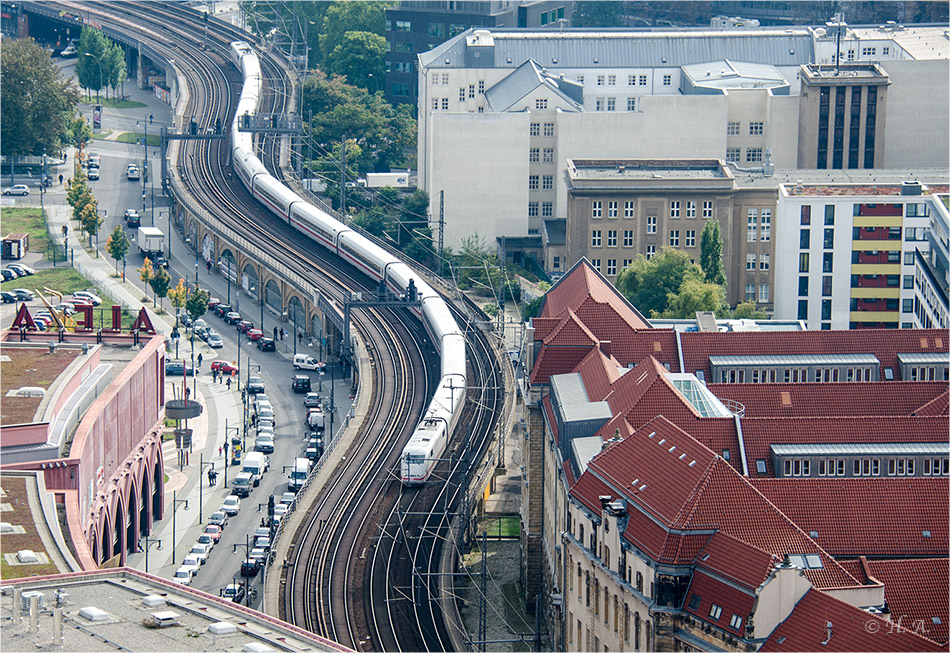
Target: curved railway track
(365,567)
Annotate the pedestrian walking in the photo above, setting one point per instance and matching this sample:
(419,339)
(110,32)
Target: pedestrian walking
(229,383)
(60,180)
(299,337)
(253,420)
(276,335)
(214,376)
(219,451)
(199,361)
(210,477)
(150,119)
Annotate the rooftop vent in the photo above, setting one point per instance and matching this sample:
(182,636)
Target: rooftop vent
(153,601)
(165,619)
(25,600)
(911,188)
(256,647)
(26,556)
(93,613)
(222,628)
(813,535)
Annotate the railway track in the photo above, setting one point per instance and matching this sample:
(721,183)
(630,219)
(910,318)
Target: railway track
(366,564)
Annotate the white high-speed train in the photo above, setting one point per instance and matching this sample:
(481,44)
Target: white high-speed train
(431,435)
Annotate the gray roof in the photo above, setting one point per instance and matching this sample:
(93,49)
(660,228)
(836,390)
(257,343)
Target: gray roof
(525,79)
(920,357)
(734,74)
(863,449)
(585,449)
(803,359)
(571,397)
(555,231)
(625,48)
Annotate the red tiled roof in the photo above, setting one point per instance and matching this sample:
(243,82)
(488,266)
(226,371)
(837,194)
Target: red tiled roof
(851,629)
(556,360)
(938,406)
(582,284)
(704,496)
(730,600)
(886,344)
(760,434)
(867,516)
(599,371)
(829,399)
(916,591)
(736,560)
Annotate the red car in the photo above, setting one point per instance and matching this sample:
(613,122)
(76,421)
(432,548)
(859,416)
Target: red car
(212,302)
(214,531)
(224,367)
(255,334)
(244,326)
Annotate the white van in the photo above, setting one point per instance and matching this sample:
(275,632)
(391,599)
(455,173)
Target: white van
(316,419)
(298,474)
(255,464)
(304,362)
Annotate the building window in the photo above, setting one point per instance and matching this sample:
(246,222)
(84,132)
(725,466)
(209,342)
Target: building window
(796,467)
(802,309)
(674,238)
(750,262)
(535,129)
(750,292)
(651,224)
(532,182)
(908,281)
(435,104)
(595,238)
(734,154)
(628,238)
(803,262)
(674,209)
(471,92)
(756,128)
(445,104)
(690,238)
(631,104)
(611,238)
(461,95)
(736,622)
(631,80)
(534,155)
(764,293)
(611,80)
(549,129)
(667,80)
(403,66)
(829,242)
(481,87)
(402,89)
(868,52)
(541,103)
(556,263)
(707,209)
(611,104)
(690,209)
(481,109)
(753,155)
(547,182)
(596,209)
(806,214)
(611,267)
(828,262)
(532,209)
(885,51)
(547,209)
(714,611)
(403,26)
(445,79)
(830,214)
(732,129)
(628,209)
(548,155)
(627,262)
(612,209)
(752,223)
(804,239)
(765,230)
(764,261)
(651,250)
(406,46)
(601,80)
(643,80)
(596,263)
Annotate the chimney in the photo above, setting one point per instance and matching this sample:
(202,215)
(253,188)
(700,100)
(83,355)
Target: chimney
(57,626)
(34,613)
(605,347)
(911,188)
(17,612)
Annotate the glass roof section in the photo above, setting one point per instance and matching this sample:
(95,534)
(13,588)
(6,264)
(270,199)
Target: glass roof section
(697,394)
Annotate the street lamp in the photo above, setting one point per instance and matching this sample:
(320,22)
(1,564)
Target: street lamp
(99,64)
(175,502)
(148,545)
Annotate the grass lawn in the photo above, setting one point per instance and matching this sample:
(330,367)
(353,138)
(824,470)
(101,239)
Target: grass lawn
(136,137)
(27,220)
(101,135)
(509,526)
(118,104)
(64,279)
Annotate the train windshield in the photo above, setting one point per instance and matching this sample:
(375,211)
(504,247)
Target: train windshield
(415,459)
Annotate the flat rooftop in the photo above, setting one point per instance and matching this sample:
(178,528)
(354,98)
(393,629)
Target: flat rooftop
(29,365)
(849,190)
(29,515)
(123,621)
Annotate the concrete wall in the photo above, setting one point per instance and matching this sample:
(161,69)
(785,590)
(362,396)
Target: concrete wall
(917,132)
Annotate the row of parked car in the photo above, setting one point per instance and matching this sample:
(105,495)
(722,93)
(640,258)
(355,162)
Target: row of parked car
(15,271)
(243,326)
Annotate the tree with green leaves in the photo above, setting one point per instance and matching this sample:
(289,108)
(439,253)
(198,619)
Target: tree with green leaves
(343,17)
(649,283)
(90,219)
(360,58)
(598,13)
(178,296)
(79,194)
(146,272)
(747,310)
(710,253)
(117,245)
(197,303)
(118,73)
(695,295)
(78,133)
(92,62)
(159,283)
(38,101)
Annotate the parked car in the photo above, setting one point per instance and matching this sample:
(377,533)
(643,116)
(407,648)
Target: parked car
(214,531)
(231,505)
(22,294)
(244,326)
(267,344)
(199,323)
(312,400)
(191,560)
(232,318)
(17,189)
(264,443)
(20,269)
(201,551)
(265,415)
(224,367)
(212,302)
(287,498)
(93,173)
(7,297)
(218,518)
(9,275)
(300,383)
(254,334)
(215,341)
(206,538)
(177,368)
(132,172)
(133,218)
(262,542)
(183,575)
(90,297)
(250,566)
(281,509)
(304,362)
(255,385)
(233,592)
(222,309)
(70,50)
